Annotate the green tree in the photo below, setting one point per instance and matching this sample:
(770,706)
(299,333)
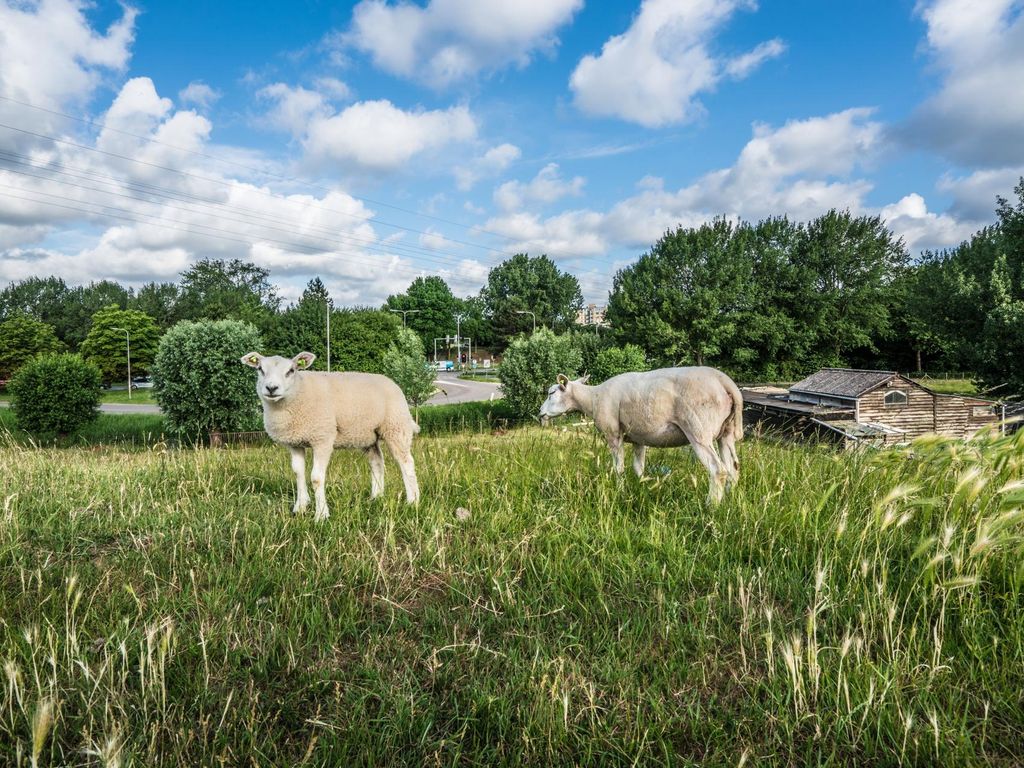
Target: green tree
(106,345)
(56,394)
(303,326)
(681,300)
(434,305)
(360,337)
(405,363)
(227,290)
(159,301)
(615,360)
(534,284)
(850,264)
(199,382)
(23,338)
(530,366)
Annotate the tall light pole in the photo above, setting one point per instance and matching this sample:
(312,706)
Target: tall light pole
(128,340)
(528,312)
(404,313)
(458,339)
(327,302)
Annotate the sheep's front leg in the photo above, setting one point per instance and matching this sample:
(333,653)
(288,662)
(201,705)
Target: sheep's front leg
(321,458)
(299,468)
(618,449)
(639,458)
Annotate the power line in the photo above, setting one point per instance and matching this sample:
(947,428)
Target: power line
(214,232)
(290,179)
(249,217)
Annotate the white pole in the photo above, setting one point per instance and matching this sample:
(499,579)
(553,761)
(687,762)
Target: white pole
(128,339)
(328,335)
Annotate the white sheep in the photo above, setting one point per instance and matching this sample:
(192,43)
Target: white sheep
(664,408)
(323,411)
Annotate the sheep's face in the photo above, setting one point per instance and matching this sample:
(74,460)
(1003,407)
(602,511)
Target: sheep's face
(275,376)
(560,399)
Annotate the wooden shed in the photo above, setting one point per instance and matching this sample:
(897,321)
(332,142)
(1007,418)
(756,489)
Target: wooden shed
(875,407)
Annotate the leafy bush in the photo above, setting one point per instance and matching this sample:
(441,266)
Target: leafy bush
(200,384)
(406,364)
(530,366)
(589,344)
(56,395)
(615,360)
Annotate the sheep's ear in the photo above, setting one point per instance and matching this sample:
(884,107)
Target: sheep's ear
(252,359)
(304,360)
(562,380)
(584,379)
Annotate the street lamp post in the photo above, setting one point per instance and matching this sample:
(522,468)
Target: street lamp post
(528,312)
(128,340)
(404,313)
(328,303)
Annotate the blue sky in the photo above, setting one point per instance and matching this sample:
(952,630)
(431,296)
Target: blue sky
(372,142)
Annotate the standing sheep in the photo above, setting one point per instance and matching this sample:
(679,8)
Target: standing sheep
(323,411)
(665,408)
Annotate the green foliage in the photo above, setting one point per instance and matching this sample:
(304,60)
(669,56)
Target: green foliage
(434,308)
(589,343)
(772,299)
(68,310)
(200,384)
(360,337)
(615,360)
(23,338)
(106,345)
(302,327)
(55,395)
(534,284)
(530,366)
(227,290)
(159,301)
(407,366)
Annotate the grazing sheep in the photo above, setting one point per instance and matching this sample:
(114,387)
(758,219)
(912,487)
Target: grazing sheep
(323,411)
(663,408)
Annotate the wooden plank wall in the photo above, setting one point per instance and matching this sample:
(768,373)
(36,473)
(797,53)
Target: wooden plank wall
(924,412)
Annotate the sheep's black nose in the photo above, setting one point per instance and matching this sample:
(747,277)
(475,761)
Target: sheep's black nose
(271,389)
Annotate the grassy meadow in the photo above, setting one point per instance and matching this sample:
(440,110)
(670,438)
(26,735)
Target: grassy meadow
(162,607)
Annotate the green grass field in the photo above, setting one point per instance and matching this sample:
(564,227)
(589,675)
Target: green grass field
(163,608)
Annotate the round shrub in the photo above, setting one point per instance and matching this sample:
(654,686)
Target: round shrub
(56,394)
(199,382)
(530,366)
(615,360)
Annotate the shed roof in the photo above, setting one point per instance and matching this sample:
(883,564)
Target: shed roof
(842,382)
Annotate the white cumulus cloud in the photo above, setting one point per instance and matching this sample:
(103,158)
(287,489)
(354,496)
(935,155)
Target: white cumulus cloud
(653,72)
(546,187)
(448,41)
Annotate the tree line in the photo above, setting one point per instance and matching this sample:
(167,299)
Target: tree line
(771,300)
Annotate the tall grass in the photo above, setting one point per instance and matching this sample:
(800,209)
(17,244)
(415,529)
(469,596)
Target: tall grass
(163,608)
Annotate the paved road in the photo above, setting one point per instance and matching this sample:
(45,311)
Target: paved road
(458,391)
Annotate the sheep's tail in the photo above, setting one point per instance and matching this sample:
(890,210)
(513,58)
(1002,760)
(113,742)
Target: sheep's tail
(415,427)
(734,423)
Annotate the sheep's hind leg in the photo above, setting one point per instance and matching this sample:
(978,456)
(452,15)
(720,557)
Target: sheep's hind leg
(299,468)
(639,459)
(321,458)
(730,461)
(402,454)
(712,463)
(373,453)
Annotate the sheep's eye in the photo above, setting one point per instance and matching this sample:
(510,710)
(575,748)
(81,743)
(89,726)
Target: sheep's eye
(290,372)
(260,369)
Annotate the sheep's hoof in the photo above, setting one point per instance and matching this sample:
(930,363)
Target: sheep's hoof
(321,515)
(297,508)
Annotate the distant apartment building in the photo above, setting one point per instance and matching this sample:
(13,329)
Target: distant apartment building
(592,314)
